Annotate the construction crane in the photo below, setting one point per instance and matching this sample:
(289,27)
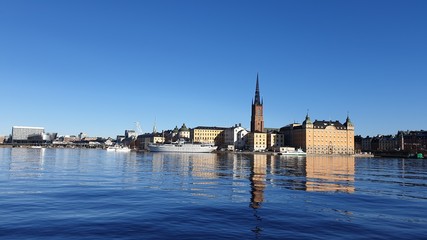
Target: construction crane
(138,128)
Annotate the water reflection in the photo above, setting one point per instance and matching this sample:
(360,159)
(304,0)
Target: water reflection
(257,180)
(330,173)
(26,162)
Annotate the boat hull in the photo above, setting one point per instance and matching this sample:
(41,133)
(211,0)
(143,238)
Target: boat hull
(185,148)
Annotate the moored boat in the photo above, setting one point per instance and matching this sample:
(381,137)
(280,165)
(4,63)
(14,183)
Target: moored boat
(181,146)
(293,152)
(118,149)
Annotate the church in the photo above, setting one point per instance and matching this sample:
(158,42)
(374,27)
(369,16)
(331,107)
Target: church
(318,137)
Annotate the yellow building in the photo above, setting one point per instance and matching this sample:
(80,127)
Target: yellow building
(213,135)
(256,141)
(321,137)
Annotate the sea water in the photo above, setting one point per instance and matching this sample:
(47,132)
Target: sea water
(95,194)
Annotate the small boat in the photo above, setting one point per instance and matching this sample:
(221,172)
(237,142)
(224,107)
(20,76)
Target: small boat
(117,148)
(290,152)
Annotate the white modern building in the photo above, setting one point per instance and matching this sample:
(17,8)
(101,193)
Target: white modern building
(21,134)
(235,136)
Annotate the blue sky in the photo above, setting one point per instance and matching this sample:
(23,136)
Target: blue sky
(100,66)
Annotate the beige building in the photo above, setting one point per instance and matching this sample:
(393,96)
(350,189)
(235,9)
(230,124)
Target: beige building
(214,135)
(321,137)
(275,141)
(256,141)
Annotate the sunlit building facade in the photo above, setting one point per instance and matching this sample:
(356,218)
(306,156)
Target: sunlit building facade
(321,137)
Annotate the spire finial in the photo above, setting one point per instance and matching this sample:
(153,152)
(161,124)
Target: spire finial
(257,98)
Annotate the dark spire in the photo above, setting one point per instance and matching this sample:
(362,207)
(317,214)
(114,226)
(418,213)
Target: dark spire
(257,98)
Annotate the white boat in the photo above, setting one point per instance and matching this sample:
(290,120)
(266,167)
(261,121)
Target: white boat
(118,149)
(182,146)
(293,152)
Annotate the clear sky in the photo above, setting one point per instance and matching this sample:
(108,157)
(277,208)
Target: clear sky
(99,66)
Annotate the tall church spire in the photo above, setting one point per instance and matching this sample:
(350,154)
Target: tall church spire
(257,97)
(257,117)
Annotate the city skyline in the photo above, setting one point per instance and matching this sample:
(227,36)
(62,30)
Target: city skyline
(100,66)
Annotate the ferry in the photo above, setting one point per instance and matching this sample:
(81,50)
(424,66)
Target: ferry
(293,152)
(182,146)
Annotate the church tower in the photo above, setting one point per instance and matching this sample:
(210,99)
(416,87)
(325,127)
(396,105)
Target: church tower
(257,117)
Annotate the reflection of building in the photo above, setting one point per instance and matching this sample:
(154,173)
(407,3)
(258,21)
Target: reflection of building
(327,173)
(321,137)
(257,179)
(190,164)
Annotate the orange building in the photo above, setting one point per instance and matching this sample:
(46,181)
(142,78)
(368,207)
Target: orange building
(321,137)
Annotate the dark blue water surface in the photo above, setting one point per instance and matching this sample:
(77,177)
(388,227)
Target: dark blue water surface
(95,194)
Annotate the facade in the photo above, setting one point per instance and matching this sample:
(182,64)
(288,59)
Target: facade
(256,141)
(388,143)
(367,144)
(21,134)
(413,141)
(275,140)
(184,132)
(145,139)
(212,135)
(130,134)
(257,116)
(235,136)
(321,137)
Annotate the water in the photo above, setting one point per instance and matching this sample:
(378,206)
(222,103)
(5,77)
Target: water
(95,194)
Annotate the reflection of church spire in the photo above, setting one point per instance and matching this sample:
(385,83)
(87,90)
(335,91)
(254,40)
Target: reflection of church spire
(257,179)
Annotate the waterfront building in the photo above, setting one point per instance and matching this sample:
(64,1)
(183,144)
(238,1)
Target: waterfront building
(144,140)
(388,143)
(321,137)
(275,140)
(235,137)
(413,141)
(130,134)
(82,135)
(256,141)
(358,144)
(120,138)
(212,135)
(68,139)
(184,132)
(20,134)
(257,116)
(366,144)
(174,132)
